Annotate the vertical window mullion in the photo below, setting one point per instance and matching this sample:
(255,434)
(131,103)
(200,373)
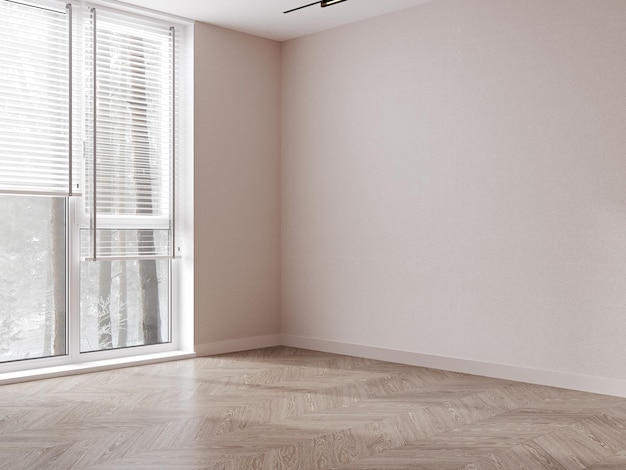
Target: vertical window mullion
(173,163)
(70,110)
(94,182)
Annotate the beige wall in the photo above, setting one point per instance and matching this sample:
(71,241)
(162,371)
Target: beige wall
(451,184)
(454,183)
(237,186)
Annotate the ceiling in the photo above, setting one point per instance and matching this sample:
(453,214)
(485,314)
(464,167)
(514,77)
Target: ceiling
(265,18)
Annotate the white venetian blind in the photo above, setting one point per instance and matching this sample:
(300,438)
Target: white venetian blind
(130,161)
(34,100)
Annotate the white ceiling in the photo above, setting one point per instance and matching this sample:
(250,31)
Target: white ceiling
(266,18)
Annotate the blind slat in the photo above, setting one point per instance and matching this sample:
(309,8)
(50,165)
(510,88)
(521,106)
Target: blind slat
(127,243)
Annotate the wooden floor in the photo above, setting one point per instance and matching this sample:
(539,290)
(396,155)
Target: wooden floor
(285,408)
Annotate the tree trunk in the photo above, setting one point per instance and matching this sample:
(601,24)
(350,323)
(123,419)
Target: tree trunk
(105,197)
(58,269)
(105,337)
(49,314)
(122,332)
(143,180)
(149,297)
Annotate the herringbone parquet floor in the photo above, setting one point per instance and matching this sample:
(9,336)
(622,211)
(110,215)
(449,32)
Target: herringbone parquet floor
(284,408)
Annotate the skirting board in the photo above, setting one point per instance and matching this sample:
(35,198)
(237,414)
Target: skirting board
(583,383)
(236,345)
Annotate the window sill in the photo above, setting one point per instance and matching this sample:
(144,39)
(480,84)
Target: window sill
(94,366)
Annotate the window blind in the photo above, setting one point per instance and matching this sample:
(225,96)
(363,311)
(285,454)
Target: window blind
(35,100)
(130,157)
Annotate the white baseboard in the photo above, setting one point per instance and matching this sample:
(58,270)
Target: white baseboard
(605,386)
(236,345)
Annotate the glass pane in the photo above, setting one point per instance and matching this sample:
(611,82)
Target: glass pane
(125,243)
(124,303)
(32,277)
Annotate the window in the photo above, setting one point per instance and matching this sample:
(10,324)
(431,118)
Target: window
(33,277)
(90,166)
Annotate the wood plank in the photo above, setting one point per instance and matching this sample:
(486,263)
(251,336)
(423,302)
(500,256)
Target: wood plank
(283,408)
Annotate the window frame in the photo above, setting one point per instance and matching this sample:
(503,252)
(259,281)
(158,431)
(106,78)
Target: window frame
(181,272)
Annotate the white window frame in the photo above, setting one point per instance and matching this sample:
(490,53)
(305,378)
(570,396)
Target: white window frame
(182,268)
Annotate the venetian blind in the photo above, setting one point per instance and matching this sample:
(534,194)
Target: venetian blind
(35,129)
(130,153)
